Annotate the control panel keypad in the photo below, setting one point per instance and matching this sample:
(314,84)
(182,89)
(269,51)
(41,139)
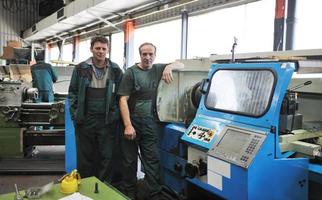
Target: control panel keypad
(253,144)
(244,158)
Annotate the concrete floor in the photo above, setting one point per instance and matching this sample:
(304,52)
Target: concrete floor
(46,165)
(24,182)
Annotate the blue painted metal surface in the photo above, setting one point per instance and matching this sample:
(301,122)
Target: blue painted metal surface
(70,145)
(315,173)
(170,176)
(171,140)
(270,175)
(267,178)
(173,157)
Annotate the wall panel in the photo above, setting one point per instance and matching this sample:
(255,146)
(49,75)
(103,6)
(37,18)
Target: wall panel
(16,16)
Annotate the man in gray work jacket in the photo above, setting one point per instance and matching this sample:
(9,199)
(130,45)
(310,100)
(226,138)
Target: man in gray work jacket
(94,110)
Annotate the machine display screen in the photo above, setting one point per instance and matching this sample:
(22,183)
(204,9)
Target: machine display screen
(237,145)
(234,141)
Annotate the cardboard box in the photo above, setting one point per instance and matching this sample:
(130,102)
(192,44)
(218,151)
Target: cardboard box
(16,53)
(7,53)
(14,43)
(20,72)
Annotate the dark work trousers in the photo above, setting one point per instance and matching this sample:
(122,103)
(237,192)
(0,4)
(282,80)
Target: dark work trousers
(147,138)
(95,143)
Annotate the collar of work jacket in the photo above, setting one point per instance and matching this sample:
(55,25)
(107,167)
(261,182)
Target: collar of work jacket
(89,61)
(113,67)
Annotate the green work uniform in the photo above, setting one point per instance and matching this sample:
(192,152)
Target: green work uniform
(96,116)
(43,76)
(141,87)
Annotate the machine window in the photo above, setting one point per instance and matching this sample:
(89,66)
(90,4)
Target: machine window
(246,92)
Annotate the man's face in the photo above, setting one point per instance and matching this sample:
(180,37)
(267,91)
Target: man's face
(147,56)
(99,51)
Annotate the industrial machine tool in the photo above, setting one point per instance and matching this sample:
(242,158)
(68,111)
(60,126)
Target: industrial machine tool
(255,133)
(176,105)
(24,124)
(236,133)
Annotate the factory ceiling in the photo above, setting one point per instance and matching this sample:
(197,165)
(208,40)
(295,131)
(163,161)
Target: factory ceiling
(81,17)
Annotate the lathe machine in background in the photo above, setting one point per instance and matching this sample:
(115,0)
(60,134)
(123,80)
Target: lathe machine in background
(24,124)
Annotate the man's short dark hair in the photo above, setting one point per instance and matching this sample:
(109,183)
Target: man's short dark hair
(148,43)
(100,39)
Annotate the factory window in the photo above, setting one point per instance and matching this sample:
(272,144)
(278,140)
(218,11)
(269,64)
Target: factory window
(117,48)
(307,31)
(168,43)
(84,50)
(54,53)
(47,54)
(67,52)
(213,33)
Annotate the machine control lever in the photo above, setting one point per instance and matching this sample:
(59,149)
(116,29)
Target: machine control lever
(202,168)
(197,169)
(191,170)
(300,85)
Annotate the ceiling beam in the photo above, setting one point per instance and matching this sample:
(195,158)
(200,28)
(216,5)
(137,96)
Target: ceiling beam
(104,20)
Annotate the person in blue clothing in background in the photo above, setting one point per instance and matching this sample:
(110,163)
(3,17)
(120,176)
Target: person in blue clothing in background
(43,77)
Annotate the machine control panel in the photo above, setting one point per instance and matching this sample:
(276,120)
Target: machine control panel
(238,146)
(200,133)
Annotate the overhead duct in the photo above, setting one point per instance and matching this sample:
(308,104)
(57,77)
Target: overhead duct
(76,14)
(83,17)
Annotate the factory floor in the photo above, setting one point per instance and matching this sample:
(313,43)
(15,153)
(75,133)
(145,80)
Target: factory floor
(45,164)
(7,182)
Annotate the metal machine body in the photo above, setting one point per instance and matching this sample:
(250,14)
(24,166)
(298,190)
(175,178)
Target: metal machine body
(173,157)
(239,139)
(256,133)
(177,104)
(24,123)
